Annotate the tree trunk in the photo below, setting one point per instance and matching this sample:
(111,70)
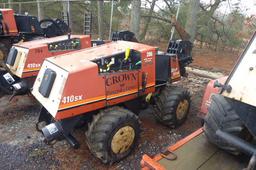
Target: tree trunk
(192,19)
(135,17)
(201,41)
(100,18)
(40,13)
(144,32)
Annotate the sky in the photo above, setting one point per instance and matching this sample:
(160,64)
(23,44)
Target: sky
(248,7)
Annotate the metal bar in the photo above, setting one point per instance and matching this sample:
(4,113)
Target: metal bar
(173,28)
(72,141)
(237,142)
(38,10)
(19,7)
(68,12)
(69,15)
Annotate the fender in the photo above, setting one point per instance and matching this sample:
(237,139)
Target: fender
(209,91)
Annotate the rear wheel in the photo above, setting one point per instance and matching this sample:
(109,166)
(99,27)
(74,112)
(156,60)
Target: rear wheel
(113,134)
(222,116)
(172,105)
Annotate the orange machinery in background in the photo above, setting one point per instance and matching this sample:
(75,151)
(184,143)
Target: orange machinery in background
(25,59)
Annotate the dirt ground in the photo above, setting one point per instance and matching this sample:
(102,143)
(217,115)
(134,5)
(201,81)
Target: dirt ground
(222,61)
(21,145)
(209,59)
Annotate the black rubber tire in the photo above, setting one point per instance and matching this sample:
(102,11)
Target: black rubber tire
(222,116)
(4,51)
(168,101)
(183,71)
(102,129)
(4,86)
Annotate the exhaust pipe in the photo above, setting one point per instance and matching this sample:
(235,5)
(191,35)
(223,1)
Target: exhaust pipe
(237,142)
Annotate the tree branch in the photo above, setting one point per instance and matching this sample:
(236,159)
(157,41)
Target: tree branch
(158,7)
(211,16)
(159,18)
(168,5)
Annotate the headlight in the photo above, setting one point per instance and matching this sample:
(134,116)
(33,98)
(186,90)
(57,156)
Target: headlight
(47,82)
(12,56)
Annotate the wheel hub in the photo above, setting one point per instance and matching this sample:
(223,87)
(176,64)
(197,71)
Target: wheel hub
(123,139)
(182,109)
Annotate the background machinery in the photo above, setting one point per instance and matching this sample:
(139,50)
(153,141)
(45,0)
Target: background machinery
(227,139)
(17,27)
(25,59)
(124,35)
(182,47)
(100,88)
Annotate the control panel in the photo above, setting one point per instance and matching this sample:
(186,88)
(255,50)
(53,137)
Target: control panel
(69,44)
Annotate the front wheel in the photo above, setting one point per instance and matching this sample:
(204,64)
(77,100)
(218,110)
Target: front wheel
(222,116)
(112,134)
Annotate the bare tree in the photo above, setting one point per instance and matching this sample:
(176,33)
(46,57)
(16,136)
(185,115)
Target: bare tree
(210,21)
(210,9)
(148,20)
(192,19)
(135,17)
(100,18)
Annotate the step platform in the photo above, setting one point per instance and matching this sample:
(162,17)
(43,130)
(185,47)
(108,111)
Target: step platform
(194,152)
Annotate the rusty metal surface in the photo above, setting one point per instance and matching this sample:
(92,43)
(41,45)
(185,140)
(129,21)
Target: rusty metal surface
(200,154)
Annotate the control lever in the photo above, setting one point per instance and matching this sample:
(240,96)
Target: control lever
(228,88)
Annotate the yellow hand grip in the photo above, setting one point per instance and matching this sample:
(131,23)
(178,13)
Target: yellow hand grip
(127,53)
(148,97)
